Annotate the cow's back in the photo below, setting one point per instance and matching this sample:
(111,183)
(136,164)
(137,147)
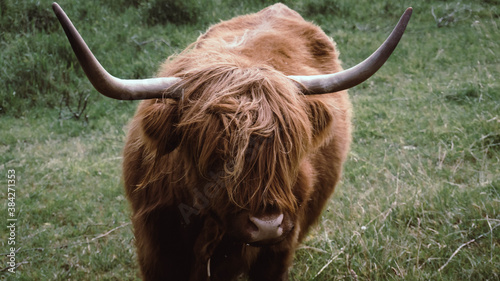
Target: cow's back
(276,36)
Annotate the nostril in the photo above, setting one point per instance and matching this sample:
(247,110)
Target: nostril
(252,227)
(267,227)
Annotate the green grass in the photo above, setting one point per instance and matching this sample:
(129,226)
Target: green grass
(420,197)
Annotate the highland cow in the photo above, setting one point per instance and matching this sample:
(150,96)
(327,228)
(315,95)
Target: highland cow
(237,146)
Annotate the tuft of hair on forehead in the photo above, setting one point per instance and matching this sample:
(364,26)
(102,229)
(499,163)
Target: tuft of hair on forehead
(245,124)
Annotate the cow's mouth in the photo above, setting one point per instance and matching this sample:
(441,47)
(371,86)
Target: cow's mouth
(269,242)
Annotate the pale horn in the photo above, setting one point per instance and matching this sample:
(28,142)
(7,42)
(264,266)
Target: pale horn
(329,83)
(105,83)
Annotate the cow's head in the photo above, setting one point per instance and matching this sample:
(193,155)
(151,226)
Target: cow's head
(243,130)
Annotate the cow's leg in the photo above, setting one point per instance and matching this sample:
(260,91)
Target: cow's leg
(230,259)
(271,265)
(163,246)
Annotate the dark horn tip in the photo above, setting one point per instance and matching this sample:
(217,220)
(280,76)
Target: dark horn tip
(409,11)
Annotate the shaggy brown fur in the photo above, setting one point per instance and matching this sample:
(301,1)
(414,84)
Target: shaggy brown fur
(242,140)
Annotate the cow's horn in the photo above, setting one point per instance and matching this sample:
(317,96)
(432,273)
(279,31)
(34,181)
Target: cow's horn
(329,83)
(107,84)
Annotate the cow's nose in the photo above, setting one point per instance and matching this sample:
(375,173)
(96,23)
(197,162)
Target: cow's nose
(265,228)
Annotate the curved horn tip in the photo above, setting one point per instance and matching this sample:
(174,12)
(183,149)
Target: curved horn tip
(408,12)
(55,6)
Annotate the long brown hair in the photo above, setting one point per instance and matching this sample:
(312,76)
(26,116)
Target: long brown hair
(241,120)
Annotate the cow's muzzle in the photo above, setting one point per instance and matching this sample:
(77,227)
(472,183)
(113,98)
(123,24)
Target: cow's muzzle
(265,228)
(260,229)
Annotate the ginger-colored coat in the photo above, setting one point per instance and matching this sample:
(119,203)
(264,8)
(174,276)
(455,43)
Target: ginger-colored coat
(242,140)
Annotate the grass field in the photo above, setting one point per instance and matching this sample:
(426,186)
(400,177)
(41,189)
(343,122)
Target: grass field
(420,197)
